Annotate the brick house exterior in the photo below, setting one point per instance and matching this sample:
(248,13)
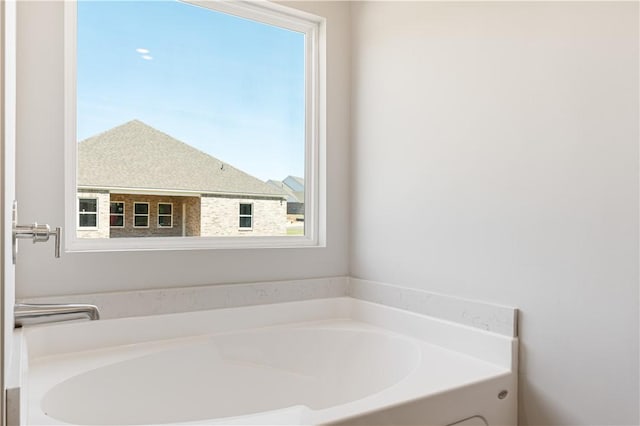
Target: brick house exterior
(135,181)
(185,216)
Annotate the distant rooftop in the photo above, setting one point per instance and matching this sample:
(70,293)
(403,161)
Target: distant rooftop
(137,156)
(292,186)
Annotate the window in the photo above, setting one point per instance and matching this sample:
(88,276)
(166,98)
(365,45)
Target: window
(255,67)
(165,215)
(87,212)
(246,216)
(140,215)
(116,214)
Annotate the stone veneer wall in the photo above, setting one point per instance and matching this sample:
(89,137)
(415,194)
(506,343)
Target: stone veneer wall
(192,222)
(102,230)
(220,216)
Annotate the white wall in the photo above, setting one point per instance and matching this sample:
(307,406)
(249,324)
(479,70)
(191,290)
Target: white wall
(40,181)
(495,157)
(7,192)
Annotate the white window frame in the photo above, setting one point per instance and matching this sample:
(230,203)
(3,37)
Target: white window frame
(170,215)
(148,215)
(88,228)
(240,216)
(117,214)
(314,28)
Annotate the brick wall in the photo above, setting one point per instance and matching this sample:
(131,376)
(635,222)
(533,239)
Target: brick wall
(204,216)
(220,217)
(192,218)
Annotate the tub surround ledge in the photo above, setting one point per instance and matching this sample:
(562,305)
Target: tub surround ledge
(485,316)
(138,303)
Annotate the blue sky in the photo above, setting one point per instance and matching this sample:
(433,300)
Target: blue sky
(230,87)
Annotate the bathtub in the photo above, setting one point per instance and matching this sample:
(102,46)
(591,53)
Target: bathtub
(326,361)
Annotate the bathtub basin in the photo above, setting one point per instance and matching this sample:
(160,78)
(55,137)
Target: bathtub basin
(329,361)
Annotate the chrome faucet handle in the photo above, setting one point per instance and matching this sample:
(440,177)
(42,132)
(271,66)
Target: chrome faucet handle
(58,234)
(41,233)
(37,234)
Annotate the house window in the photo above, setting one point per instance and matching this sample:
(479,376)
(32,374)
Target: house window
(165,215)
(87,212)
(140,215)
(246,216)
(116,214)
(122,130)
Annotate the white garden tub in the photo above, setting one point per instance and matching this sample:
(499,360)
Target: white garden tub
(312,362)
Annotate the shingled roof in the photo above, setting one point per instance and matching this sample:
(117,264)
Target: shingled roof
(137,156)
(292,196)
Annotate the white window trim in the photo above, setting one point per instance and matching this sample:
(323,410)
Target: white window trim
(148,215)
(170,215)
(314,28)
(78,213)
(240,215)
(124,218)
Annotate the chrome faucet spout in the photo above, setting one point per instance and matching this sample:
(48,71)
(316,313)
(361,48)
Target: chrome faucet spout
(32,313)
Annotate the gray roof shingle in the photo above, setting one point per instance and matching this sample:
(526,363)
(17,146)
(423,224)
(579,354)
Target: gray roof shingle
(292,196)
(137,156)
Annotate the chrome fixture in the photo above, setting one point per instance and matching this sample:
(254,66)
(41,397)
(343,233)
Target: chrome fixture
(37,233)
(31,313)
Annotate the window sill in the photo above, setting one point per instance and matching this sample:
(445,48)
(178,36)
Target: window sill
(188,243)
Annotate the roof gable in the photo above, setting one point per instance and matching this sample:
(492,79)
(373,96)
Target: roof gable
(292,196)
(137,156)
(295,183)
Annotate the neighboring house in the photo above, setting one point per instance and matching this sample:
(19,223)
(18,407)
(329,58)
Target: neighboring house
(294,189)
(135,181)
